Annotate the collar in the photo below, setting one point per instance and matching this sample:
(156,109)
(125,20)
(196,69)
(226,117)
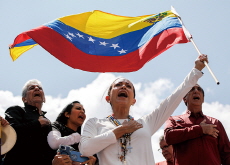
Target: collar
(70,130)
(169,163)
(64,127)
(33,108)
(191,114)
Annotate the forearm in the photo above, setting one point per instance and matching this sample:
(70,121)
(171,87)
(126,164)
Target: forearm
(173,136)
(119,132)
(168,106)
(15,117)
(92,145)
(93,140)
(54,139)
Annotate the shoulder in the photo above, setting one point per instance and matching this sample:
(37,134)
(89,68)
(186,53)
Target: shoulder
(15,108)
(175,120)
(178,117)
(56,125)
(95,121)
(212,119)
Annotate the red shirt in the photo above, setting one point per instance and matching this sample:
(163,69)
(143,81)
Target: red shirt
(164,163)
(191,146)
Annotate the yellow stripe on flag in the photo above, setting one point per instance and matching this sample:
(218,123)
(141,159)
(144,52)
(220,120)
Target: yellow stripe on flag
(15,52)
(106,25)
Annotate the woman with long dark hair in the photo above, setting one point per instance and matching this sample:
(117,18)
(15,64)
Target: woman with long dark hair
(66,130)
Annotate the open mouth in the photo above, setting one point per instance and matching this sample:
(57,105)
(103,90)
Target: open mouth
(81,117)
(122,94)
(196,98)
(37,95)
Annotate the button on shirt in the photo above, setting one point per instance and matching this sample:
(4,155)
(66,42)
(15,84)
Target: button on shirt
(191,146)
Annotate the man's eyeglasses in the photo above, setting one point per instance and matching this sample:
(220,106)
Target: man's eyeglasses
(163,148)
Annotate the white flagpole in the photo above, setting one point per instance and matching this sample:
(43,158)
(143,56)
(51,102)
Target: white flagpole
(189,37)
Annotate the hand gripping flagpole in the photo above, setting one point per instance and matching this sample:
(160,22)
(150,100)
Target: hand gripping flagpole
(189,37)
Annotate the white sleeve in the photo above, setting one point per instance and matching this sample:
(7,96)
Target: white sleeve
(54,139)
(90,142)
(157,118)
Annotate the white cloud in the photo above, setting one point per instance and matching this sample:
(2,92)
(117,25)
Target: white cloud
(148,96)
(220,112)
(7,99)
(210,91)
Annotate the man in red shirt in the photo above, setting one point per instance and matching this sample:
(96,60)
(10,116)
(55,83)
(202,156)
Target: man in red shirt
(197,139)
(167,152)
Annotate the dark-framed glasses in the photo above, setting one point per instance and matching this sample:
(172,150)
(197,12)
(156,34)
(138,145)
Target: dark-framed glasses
(164,148)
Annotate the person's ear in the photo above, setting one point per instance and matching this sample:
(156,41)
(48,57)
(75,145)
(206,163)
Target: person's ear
(107,98)
(44,99)
(134,101)
(24,100)
(185,99)
(67,114)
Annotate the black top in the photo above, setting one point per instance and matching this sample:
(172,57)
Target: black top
(31,146)
(66,131)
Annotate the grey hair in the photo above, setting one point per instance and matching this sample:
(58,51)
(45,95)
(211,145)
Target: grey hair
(161,138)
(29,83)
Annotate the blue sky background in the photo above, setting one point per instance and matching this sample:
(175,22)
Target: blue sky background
(207,21)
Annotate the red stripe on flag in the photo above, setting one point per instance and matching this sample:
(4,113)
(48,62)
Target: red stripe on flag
(19,39)
(66,52)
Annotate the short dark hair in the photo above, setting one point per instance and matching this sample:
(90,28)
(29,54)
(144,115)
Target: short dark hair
(191,89)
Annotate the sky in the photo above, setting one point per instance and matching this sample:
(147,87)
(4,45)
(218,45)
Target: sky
(206,20)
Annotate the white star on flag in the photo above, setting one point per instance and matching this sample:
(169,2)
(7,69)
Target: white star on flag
(67,36)
(122,51)
(115,46)
(80,36)
(103,43)
(71,34)
(91,39)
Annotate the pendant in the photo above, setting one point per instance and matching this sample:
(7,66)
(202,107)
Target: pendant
(121,158)
(129,148)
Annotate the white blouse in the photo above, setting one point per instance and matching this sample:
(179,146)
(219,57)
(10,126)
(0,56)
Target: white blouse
(98,136)
(54,139)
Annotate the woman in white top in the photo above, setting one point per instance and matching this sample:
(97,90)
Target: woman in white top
(120,139)
(66,130)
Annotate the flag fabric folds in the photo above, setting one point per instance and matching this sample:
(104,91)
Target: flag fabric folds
(102,42)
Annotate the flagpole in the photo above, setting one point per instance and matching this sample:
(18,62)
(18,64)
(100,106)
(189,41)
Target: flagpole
(206,64)
(189,37)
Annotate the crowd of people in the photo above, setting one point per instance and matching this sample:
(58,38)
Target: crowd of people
(119,139)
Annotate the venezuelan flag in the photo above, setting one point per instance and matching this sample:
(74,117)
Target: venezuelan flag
(102,42)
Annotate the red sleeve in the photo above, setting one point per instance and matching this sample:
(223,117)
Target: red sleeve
(224,145)
(179,132)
